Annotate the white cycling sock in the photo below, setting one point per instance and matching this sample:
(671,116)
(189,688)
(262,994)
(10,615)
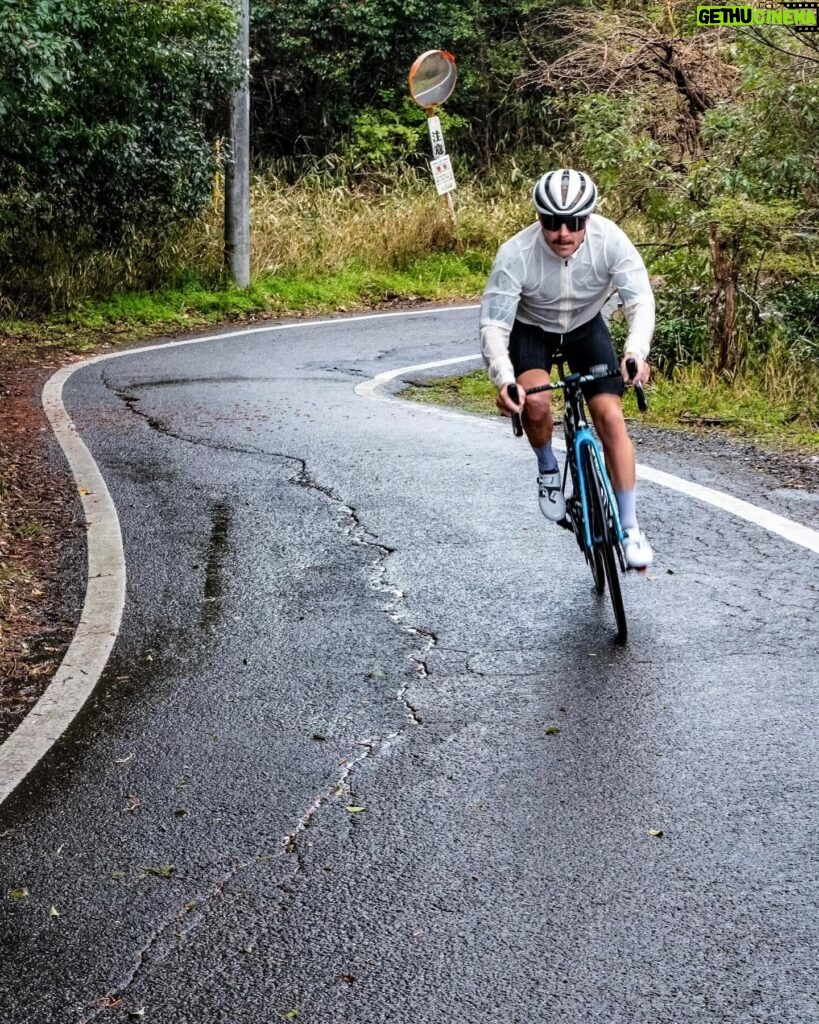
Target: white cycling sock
(626,501)
(546,461)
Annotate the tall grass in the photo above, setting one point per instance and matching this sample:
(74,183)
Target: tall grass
(323,243)
(310,228)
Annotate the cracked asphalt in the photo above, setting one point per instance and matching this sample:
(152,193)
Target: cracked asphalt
(365,750)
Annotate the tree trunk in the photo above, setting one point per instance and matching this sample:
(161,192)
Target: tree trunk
(722,319)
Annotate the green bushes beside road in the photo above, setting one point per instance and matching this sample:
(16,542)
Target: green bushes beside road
(702,140)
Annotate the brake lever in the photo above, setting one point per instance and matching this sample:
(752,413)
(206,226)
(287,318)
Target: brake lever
(517,425)
(631,368)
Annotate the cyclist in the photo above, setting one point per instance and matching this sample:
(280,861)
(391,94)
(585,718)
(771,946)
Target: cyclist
(548,285)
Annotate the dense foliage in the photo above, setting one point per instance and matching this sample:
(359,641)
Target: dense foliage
(703,140)
(108,113)
(331,78)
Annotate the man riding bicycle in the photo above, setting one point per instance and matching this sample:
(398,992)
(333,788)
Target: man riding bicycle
(548,285)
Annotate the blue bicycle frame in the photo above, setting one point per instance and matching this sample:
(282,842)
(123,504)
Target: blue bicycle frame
(584,512)
(584,438)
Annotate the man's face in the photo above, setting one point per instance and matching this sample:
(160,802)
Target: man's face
(564,240)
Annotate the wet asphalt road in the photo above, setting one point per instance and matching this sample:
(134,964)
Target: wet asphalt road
(336,603)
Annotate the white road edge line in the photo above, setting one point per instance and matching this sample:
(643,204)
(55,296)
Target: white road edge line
(89,650)
(792,531)
(88,653)
(99,622)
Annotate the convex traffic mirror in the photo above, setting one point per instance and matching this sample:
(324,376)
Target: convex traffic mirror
(432,78)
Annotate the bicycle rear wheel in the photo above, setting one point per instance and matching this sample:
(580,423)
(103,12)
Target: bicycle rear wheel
(604,543)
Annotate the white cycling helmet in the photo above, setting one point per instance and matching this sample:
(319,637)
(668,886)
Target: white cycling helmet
(565,193)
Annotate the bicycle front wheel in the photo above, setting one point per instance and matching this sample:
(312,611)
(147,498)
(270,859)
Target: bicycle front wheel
(604,542)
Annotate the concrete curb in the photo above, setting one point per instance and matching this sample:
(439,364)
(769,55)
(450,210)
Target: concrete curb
(89,650)
(94,639)
(102,610)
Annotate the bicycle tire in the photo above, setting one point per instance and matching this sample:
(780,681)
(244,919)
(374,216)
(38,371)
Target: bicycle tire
(598,570)
(604,542)
(594,557)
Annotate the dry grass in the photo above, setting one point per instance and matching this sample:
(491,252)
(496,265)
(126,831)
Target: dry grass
(308,226)
(315,226)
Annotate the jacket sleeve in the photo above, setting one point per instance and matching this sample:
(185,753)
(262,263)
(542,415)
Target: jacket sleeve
(498,307)
(495,352)
(630,278)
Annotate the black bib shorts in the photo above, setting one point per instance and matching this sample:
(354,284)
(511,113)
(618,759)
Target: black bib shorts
(587,348)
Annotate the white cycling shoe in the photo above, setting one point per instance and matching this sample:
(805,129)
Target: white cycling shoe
(637,549)
(550,496)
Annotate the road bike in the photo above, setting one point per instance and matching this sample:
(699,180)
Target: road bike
(591,507)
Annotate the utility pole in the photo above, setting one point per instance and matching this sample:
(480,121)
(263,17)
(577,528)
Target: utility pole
(237,168)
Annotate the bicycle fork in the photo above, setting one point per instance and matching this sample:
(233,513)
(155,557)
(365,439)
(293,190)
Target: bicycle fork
(585,439)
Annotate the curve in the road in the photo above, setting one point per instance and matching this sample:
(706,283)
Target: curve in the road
(88,652)
(790,530)
(93,641)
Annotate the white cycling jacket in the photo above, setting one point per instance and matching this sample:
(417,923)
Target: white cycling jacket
(530,283)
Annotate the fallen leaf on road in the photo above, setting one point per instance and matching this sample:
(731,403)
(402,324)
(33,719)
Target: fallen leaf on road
(289,1014)
(18,894)
(319,738)
(354,810)
(53,912)
(552,730)
(655,832)
(161,870)
(134,803)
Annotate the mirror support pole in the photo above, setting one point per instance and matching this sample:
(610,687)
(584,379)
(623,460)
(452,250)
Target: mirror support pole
(237,168)
(447,196)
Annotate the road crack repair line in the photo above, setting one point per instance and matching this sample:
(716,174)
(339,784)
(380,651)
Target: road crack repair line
(131,401)
(181,922)
(350,524)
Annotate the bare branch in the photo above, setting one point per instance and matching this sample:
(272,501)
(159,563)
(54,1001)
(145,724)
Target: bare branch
(617,56)
(766,40)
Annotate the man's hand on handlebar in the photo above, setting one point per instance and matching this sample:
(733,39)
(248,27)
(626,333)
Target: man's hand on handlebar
(504,401)
(643,369)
